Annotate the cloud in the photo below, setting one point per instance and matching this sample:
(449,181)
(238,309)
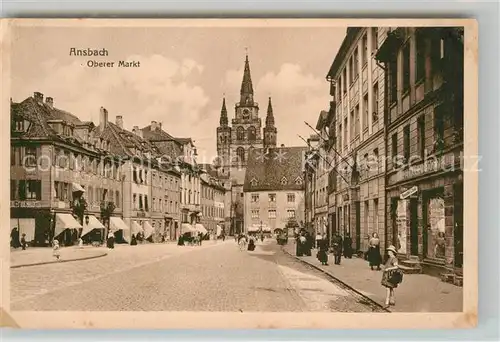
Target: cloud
(161,89)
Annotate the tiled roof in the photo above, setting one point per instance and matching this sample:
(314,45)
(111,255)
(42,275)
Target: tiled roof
(279,169)
(166,144)
(123,142)
(38,113)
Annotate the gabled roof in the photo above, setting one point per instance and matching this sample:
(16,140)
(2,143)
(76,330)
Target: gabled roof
(269,169)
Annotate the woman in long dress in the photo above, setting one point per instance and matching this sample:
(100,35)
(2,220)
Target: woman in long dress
(374,257)
(323,251)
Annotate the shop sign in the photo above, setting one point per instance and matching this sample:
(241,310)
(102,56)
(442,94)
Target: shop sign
(409,192)
(430,165)
(25,204)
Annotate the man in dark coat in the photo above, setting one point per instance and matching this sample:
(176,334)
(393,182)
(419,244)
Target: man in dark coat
(14,238)
(348,246)
(337,248)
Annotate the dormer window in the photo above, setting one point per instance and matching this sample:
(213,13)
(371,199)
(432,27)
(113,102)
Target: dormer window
(284,181)
(298,181)
(21,125)
(254,182)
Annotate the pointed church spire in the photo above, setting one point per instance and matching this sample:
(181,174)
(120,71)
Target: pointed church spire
(223,113)
(270,115)
(246,91)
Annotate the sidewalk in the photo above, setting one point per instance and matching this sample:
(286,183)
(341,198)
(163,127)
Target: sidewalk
(41,256)
(417,293)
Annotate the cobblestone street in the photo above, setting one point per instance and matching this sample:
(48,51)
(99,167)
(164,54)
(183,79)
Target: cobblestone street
(214,277)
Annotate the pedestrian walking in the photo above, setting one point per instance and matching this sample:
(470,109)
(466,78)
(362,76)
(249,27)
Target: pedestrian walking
(14,238)
(322,254)
(80,243)
(348,246)
(337,248)
(392,275)
(111,240)
(56,250)
(23,241)
(374,256)
(242,242)
(309,243)
(251,243)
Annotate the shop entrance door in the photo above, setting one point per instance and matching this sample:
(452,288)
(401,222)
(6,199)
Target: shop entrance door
(414,226)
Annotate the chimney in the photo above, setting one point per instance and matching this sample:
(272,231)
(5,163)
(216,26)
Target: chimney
(135,130)
(154,125)
(49,101)
(103,118)
(119,121)
(38,96)
(159,125)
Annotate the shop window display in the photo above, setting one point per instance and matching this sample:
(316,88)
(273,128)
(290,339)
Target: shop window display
(436,238)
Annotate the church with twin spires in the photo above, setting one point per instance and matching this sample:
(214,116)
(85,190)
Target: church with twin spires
(235,140)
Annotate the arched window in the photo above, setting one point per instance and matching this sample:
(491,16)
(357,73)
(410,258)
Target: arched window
(240,133)
(240,152)
(252,136)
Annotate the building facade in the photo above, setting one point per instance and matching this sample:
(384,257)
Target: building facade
(320,180)
(424,114)
(181,178)
(212,205)
(274,188)
(356,140)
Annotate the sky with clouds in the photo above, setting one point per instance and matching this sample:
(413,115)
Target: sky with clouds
(183,74)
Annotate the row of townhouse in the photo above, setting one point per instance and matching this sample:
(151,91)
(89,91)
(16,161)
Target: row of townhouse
(392,143)
(71,178)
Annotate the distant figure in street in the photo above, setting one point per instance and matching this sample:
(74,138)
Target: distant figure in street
(242,242)
(200,238)
(80,243)
(391,276)
(301,244)
(318,239)
(337,248)
(309,244)
(14,238)
(323,250)
(23,242)
(374,257)
(348,246)
(133,240)
(251,243)
(261,237)
(111,240)
(55,250)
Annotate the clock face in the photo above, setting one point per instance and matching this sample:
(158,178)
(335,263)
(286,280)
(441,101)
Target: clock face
(246,114)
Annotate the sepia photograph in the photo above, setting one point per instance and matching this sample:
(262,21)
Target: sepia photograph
(270,167)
